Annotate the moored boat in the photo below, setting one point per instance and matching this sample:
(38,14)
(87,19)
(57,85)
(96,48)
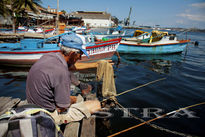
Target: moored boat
(28,51)
(157,43)
(110,33)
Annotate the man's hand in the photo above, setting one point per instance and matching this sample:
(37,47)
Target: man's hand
(87,90)
(73,99)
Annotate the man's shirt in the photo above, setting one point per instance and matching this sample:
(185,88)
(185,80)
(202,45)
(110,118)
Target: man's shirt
(48,82)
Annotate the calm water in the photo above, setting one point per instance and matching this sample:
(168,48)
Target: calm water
(184,85)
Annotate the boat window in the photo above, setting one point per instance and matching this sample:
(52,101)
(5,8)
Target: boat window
(171,37)
(16,49)
(4,47)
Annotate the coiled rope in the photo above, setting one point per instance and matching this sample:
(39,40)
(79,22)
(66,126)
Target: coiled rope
(164,115)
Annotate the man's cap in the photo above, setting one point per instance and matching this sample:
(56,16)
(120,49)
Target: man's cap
(72,40)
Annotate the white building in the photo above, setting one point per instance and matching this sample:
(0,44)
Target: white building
(5,20)
(94,18)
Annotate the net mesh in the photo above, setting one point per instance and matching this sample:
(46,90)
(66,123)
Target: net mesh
(106,74)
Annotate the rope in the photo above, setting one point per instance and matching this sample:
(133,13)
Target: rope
(153,125)
(146,122)
(133,89)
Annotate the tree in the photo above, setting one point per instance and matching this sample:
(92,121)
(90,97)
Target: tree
(4,9)
(18,7)
(63,11)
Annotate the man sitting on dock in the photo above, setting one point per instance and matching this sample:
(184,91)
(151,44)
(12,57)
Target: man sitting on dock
(49,79)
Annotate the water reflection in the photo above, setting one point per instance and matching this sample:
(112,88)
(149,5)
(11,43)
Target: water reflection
(156,63)
(86,75)
(13,74)
(20,74)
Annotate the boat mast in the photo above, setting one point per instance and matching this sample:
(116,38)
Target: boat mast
(57,18)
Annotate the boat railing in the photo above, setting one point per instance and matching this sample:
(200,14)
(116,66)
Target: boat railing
(39,43)
(58,36)
(54,37)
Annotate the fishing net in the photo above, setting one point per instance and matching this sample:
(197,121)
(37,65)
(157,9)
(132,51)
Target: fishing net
(106,74)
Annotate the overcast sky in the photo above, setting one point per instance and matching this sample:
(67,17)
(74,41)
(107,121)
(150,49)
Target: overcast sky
(166,13)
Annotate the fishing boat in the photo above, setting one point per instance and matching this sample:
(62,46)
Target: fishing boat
(109,33)
(28,51)
(38,30)
(79,29)
(154,43)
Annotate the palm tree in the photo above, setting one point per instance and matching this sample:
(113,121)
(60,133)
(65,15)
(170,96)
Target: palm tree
(18,7)
(4,9)
(21,6)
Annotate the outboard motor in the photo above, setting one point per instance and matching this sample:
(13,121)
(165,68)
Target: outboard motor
(196,43)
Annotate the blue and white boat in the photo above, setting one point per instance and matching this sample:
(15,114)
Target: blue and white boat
(109,33)
(156,43)
(28,51)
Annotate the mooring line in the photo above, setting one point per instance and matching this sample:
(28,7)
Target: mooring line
(134,89)
(153,125)
(146,122)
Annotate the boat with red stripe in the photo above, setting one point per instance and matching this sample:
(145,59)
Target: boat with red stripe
(28,51)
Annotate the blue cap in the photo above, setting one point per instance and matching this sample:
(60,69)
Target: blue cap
(72,40)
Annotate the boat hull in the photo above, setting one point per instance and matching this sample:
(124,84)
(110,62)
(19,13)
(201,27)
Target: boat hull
(19,58)
(143,48)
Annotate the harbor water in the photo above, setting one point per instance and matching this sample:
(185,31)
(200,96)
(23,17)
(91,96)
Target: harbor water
(184,85)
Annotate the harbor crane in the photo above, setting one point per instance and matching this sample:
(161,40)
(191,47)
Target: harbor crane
(127,21)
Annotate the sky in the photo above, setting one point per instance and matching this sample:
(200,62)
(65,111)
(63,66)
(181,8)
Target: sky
(166,13)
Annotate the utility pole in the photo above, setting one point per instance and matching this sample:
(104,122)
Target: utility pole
(57,18)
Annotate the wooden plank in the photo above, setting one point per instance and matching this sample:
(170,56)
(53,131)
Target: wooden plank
(21,103)
(88,127)
(72,129)
(27,35)
(36,35)
(3,101)
(7,103)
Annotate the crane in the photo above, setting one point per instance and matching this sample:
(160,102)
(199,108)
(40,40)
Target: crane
(127,21)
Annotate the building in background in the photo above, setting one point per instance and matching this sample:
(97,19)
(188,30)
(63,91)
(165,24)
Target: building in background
(5,21)
(46,17)
(94,18)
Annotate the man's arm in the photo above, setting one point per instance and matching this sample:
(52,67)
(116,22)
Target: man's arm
(73,100)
